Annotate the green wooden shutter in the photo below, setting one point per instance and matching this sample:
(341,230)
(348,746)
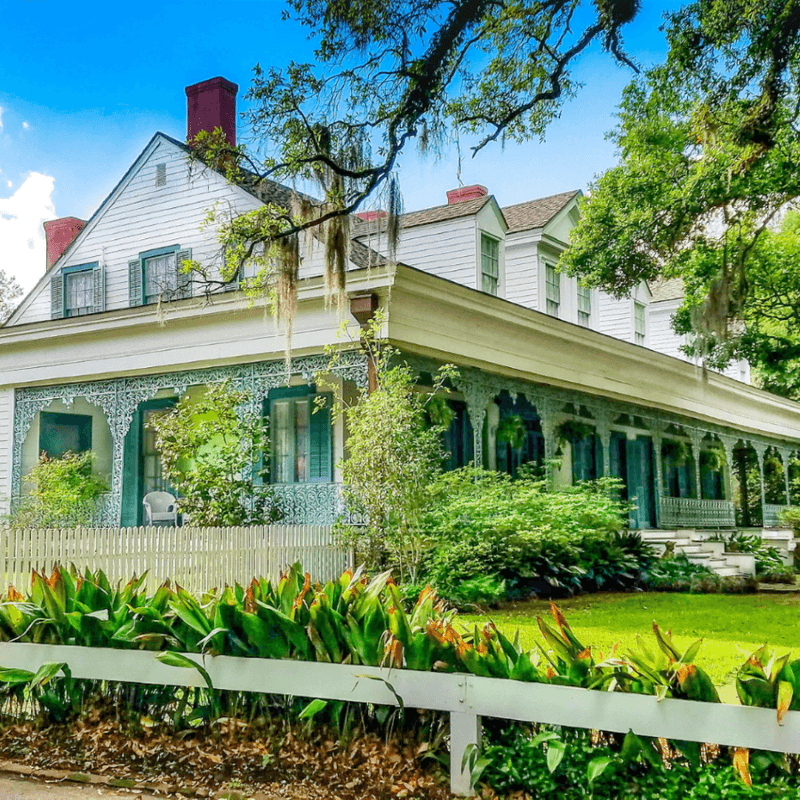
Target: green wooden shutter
(135,290)
(184,279)
(99,279)
(131,472)
(321,441)
(235,284)
(57,296)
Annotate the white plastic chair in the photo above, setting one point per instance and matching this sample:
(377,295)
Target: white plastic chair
(160,508)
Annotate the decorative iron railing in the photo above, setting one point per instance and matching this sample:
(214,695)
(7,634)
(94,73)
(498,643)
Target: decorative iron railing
(689,512)
(772,516)
(310,503)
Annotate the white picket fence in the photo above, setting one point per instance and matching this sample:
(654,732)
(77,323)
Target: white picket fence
(196,558)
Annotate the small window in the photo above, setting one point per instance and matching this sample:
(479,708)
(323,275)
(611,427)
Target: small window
(490,264)
(64,433)
(161,174)
(639,322)
(552,289)
(79,293)
(584,305)
(160,277)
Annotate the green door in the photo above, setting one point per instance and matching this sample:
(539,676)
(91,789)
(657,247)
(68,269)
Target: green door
(640,481)
(141,466)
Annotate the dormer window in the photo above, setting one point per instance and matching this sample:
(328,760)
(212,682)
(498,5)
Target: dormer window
(639,322)
(490,264)
(552,289)
(77,290)
(584,305)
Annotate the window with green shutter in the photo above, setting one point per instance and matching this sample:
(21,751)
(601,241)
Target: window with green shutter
(301,441)
(78,290)
(552,289)
(490,264)
(158,275)
(64,433)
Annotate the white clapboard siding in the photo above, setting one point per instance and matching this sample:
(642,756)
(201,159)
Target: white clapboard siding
(196,558)
(143,216)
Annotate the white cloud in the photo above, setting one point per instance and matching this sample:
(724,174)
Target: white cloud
(10,184)
(26,126)
(1,118)
(22,243)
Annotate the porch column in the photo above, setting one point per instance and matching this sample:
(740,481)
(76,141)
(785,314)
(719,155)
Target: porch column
(477,397)
(603,428)
(728,443)
(697,441)
(658,439)
(761,449)
(785,456)
(547,414)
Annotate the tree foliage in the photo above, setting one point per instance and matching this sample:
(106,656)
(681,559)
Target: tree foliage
(709,155)
(63,492)
(388,73)
(395,452)
(210,450)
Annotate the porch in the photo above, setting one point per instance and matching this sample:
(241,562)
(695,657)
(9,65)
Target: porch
(676,472)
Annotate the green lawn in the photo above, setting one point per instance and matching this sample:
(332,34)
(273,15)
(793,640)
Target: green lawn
(732,626)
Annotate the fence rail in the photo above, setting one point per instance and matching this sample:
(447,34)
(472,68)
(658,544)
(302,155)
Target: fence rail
(196,558)
(465,697)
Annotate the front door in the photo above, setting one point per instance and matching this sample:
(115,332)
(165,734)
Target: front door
(632,461)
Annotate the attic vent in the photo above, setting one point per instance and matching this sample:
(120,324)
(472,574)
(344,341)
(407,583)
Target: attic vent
(161,174)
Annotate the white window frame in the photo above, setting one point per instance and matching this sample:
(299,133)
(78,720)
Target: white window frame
(639,336)
(584,314)
(490,283)
(552,290)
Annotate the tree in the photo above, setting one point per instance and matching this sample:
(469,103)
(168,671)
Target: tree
(210,450)
(395,453)
(387,73)
(709,162)
(10,292)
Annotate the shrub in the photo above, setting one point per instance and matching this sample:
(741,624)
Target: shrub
(64,493)
(210,453)
(678,574)
(486,524)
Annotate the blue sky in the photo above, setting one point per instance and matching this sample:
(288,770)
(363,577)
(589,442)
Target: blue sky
(84,86)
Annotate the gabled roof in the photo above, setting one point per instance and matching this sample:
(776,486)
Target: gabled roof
(446,212)
(669,289)
(536,213)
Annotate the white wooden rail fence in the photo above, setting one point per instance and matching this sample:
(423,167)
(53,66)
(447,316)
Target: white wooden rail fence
(197,558)
(466,698)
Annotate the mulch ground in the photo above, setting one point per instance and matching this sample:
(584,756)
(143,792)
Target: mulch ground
(241,761)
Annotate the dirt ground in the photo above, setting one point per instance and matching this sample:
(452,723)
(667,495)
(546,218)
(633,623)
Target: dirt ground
(15,787)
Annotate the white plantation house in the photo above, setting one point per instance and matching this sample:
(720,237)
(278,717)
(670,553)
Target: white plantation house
(85,359)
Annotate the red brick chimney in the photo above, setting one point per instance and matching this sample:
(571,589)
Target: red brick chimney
(466,193)
(60,234)
(369,216)
(211,104)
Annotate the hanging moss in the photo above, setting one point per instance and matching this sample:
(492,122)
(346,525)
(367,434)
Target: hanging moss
(511,429)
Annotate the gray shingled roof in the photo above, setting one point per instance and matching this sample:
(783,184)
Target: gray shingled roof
(536,213)
(669,289)
(445,212)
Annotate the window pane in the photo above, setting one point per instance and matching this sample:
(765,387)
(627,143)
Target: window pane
(490,264)
(301,441)
(639,322)
(281,439)
(79,293)
(160,276)
(552,289)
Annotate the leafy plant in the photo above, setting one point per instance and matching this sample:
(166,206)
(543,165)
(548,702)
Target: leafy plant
(395,452)
(64,492)
(211,449)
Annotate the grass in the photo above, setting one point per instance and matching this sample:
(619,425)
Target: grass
(732,626)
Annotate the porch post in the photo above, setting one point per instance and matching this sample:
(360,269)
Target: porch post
(697,440)
(477,397)
(603,428)
(761,449)
(728,443)
(785,456)
(658,439)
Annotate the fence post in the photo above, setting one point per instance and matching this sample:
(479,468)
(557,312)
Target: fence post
(465,729)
